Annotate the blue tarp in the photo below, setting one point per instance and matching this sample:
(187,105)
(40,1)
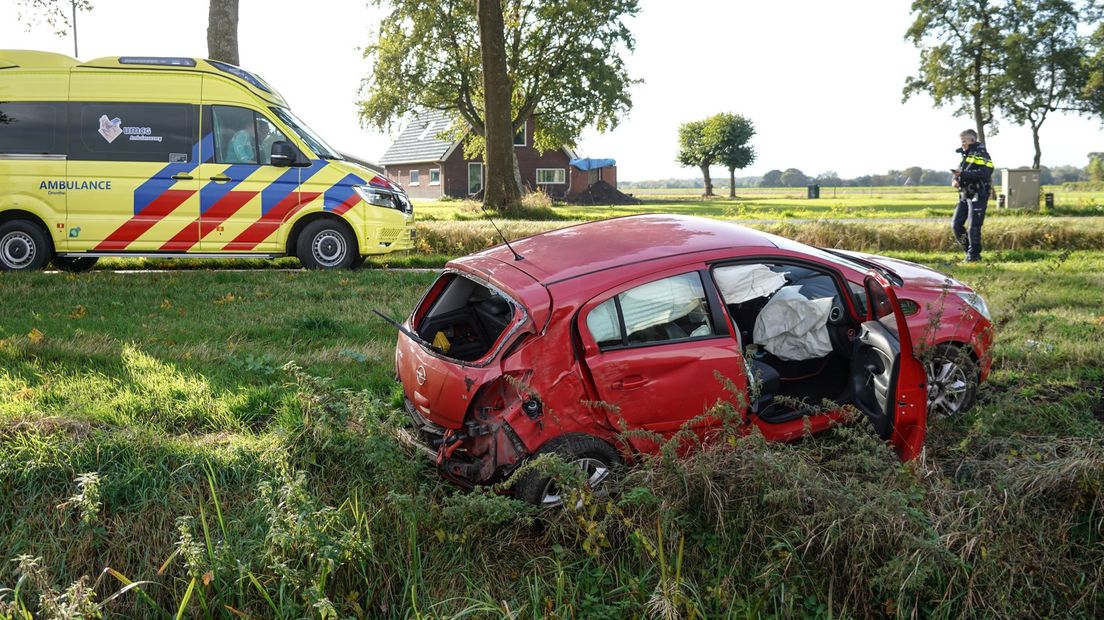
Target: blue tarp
(592,164)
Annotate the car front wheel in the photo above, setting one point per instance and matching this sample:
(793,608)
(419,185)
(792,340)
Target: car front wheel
(594,457)
(952,380)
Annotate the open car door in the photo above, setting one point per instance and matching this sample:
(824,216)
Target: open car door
(888,382)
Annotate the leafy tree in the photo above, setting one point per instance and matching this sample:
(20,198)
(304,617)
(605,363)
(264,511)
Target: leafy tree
(698,148)
(733,152)
(61,15)
(563,68)
(793,177)
(1043,63)
(222,31)
(1092,93)
(913,175)
(1096,167)
(829,178)
(773,178)
(960,56)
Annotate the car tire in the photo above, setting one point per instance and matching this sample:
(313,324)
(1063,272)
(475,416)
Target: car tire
(24,246)
(952,376)
(326,244)
(75,264)
(597,458)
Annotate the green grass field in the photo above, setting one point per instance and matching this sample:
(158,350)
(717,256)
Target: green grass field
(148,425)
(789,203)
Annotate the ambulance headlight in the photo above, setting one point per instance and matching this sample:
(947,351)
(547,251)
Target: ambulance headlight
(375,196)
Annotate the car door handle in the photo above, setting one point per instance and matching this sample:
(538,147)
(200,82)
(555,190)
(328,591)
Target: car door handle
(220,178)
(182,177)
(630,383)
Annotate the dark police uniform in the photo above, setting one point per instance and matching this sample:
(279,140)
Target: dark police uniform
(974,186)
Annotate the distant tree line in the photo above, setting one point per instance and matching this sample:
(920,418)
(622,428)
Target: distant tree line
(914,175)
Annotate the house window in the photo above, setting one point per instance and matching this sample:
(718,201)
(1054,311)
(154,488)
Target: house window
(475,177)
(519,137)
(551,176)
(435,176)
(414,177)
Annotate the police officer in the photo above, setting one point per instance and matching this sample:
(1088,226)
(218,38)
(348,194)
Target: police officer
(973,178)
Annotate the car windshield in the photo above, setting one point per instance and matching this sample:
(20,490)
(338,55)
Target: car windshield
(316,144)
(848,260)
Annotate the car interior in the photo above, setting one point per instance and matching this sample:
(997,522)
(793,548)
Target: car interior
(791,381)
(466,320)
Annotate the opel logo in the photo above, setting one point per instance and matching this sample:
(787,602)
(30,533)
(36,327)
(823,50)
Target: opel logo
(420,375)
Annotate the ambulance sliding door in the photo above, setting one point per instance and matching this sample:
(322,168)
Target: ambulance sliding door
(133,155)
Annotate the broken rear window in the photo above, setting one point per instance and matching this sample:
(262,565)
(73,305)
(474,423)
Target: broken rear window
(466,319)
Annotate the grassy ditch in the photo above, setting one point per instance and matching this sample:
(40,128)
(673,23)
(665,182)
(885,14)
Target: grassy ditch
(462,237)
(152,429)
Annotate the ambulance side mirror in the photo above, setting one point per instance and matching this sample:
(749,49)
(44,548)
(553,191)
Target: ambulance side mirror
(283,154)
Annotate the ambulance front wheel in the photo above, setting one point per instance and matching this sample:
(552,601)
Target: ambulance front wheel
(327,244)
(24,246)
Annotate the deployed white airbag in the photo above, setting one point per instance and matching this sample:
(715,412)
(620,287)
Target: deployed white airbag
(793,327)
(739,283)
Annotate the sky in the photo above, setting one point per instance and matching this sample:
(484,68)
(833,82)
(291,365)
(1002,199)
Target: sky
(821,81)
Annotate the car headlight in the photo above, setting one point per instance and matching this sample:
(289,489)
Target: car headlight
(976,302)
(375,196)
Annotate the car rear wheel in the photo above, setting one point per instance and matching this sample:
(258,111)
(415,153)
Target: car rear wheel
(24,246)
(952,380)
(326,244)
(594,457)
(75,264)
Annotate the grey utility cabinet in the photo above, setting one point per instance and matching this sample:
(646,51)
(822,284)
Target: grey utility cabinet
(1020,188)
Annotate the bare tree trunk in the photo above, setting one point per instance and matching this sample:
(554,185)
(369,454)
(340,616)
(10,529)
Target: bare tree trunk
(708,181)
(222,31)
(1038,148)
(979,113)
(731,182)
(501,189)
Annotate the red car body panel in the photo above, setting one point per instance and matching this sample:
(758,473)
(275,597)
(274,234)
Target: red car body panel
(476,410)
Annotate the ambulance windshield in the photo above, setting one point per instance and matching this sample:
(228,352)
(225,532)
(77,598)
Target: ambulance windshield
(316,144)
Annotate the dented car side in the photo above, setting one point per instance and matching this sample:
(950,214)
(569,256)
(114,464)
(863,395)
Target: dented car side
(508,358)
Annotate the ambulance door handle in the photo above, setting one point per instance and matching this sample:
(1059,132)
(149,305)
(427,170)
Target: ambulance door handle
(182,177)
(220,178)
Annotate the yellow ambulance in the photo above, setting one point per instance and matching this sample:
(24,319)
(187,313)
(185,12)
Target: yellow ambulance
(175,157)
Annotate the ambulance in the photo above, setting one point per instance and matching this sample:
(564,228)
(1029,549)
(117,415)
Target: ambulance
(175,157)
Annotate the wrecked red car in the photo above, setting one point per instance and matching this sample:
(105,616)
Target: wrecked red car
(567,339)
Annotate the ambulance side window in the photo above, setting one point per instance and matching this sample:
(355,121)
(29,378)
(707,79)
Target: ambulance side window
(32,128)
(235,135)
(267,134)
(142,132)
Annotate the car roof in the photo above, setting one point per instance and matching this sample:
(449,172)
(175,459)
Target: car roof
(570,252)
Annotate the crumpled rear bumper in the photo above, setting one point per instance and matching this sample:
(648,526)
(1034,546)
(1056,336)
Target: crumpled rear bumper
(478,454)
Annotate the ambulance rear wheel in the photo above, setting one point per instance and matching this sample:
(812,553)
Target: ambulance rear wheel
(326,244)
(76,264)
(24,246)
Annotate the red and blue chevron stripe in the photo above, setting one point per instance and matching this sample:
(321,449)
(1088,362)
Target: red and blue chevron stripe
(154,199)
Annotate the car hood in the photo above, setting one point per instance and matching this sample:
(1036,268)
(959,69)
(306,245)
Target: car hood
(915,276)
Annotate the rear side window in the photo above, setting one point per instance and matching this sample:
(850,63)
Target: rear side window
(32,128)
(670,309)
(466,319)
(141,132)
